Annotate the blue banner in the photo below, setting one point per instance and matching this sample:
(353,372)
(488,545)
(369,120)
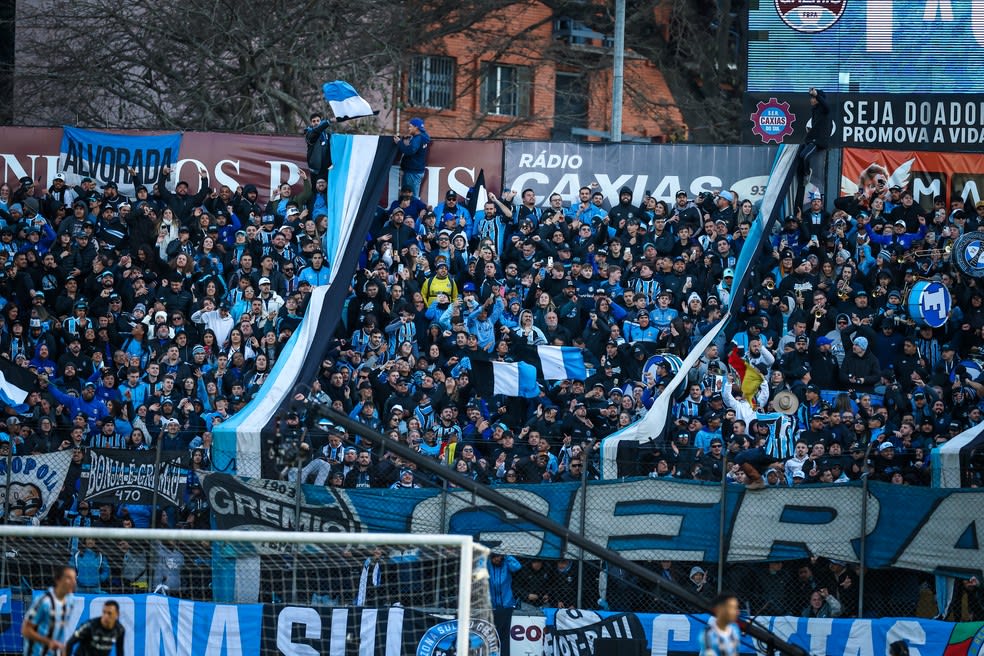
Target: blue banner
(573,632)
(155,624)
(918,528)
(106,157)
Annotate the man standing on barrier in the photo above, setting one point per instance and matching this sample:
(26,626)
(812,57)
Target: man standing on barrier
(98,636)
(45,623)
(773,441)
(722,637)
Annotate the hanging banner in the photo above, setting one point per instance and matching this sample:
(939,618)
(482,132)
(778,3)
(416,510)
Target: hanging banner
(125,476)
(334,630)
(158,625)
(954,176)
(923,529)
(575,632)
(943,122)
(105,158)
(237,160)
(32,484)
(662,170)
(262,505)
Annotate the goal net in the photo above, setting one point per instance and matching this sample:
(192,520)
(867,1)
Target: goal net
(246,592)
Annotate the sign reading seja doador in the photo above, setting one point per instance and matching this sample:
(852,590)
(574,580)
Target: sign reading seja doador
(924,529)
(951,122)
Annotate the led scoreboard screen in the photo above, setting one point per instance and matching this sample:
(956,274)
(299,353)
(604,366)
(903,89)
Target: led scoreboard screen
(866,46)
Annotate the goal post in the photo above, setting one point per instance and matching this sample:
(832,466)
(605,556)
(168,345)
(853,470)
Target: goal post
(391,593)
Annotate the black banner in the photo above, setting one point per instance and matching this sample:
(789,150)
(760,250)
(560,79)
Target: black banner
(125,476)
(944,122)
(262,505)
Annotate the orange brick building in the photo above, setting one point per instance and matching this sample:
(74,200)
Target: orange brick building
(524,73)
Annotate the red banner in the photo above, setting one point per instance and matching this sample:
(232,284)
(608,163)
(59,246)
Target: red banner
(955,176)
(263,160)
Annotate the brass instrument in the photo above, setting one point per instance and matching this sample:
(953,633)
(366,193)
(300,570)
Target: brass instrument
(931,252)
(818,315)
(770,284)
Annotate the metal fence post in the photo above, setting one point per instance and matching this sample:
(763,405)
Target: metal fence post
(154,512)
(6,515)
(297,517)
(583,514)
(444,530)
(864,530)
(722,517)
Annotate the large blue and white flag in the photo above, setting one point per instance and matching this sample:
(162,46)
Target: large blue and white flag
(345,101)
(106,157)
(517,379)
(15,382)
(562,362)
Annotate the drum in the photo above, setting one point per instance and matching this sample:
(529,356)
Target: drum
(929,303)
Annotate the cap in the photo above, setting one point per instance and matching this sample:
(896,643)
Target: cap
(802,338)
(824,341)
(264,281)
(451,195)
(884,446)
(726,195)
(417,123)
(728,273)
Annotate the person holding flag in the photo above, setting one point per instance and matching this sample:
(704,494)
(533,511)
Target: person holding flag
(317,136)
(414,149)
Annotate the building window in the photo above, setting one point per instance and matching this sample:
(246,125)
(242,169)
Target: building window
(505,90)
(430,82)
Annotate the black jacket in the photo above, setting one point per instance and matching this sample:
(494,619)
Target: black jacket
(819,132)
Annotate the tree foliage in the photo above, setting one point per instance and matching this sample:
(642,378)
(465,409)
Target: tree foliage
(215,64)
(258,66)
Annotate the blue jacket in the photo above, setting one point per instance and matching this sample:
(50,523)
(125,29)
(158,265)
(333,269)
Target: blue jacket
(94,409)
(93,570)
(904,240)
(500,582)
(316,277)
(414,152)
(484,330)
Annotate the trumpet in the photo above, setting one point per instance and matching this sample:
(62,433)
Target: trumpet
(818,315)
(769,284)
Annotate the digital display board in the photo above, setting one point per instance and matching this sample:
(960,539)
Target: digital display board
(866,46)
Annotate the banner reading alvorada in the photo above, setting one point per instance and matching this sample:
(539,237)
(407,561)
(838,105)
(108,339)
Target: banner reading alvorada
(106,157)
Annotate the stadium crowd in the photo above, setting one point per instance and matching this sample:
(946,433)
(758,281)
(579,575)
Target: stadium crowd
(151,319)
(156,317)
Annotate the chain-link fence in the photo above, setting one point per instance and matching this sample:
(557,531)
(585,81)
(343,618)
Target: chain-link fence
(303,489)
